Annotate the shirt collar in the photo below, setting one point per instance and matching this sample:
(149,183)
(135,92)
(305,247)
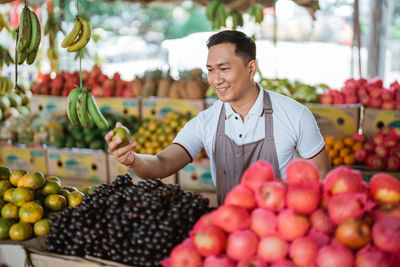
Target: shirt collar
(257,108)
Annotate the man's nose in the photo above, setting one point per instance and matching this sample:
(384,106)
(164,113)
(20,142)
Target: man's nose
(218,79)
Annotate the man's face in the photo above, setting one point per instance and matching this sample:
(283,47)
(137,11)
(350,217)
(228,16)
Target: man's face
(227,73)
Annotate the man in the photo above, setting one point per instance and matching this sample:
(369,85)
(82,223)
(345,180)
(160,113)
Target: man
(246,124)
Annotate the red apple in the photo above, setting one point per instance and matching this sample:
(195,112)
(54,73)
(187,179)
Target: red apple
(393,163)
(385,188)
(371,256)
(231,218)
(203,221)
(386,210)
(303,251)
(335,256)
(345,206)
(272,248)
(364,99)
(360,155)
(320,221)
(353,233)
(263,222)
(283,263)
(209,240)
(350,99)
(217,261)
(291,225)
(242,245)
(369,147)
(320,238)
(241,196)
(185,254)
(301,170)
(303,198)
(326,98)
(258,173)
(390,141)
(382,150)
(376,162)
(386,234)
(359,137)
(342,180)
(376,82)
(395,151)
(388,105)
(338,99)
(252,262)
(377,138)
(271,195)
(374,102)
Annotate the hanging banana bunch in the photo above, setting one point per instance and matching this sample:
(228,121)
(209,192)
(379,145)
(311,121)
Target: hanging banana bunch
(216,14)
(5,57)
(256,13)
(82,109)
(29,36)
(6,85)
(237,18)
(79,35)
(4,23)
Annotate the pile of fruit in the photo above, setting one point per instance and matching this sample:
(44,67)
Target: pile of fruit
(154,135)
(369,93)
(64,82)
(341,149)
(28,200)
(381,151)
(123,222)
(264,221)
(13,104)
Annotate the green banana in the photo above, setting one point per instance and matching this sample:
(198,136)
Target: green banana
(24,29)
(82,109)
(95,113)
(2,86)
(84,37)
(30,58)
(36,34)
(21,57)
(210,9)
(72,102)
(221,16)
(70,38)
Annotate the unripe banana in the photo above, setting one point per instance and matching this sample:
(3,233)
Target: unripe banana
(70,38)
(210,9)
(30,58)
(24,29)
(36,34)
(95,113)
(84,37)
(72,101)
(21,57)
(82,109)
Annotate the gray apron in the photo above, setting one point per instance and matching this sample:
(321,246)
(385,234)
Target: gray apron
(232,160)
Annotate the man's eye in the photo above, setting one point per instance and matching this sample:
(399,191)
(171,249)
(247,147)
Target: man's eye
(209,70)
(224,69)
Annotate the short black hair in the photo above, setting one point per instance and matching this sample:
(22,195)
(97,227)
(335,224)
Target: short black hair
(245,46)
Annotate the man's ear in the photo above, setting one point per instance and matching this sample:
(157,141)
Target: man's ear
(253,65)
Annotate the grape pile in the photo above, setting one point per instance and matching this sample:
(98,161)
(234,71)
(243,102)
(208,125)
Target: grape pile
(133,224)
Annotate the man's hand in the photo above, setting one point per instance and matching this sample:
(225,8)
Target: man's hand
(125,154)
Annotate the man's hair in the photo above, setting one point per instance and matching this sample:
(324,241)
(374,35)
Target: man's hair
(245,46)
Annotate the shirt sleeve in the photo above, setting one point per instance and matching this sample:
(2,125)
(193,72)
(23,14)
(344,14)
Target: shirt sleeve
(310,141)
(190,137)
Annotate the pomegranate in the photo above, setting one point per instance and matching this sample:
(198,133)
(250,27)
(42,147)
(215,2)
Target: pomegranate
(291,225)
(386,234)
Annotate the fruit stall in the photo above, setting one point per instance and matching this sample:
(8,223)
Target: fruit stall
(66,201)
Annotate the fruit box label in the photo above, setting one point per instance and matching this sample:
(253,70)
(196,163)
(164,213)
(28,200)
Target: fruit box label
(118,105)
(374,119)
(78,164)
(196,176)
(29,159)
(53,104)
(336,121)
(160,107)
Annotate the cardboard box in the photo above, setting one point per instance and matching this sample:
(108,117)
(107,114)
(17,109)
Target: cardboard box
(119,105)
(23,157)
(196,176)
(161,106)
(336,120)
(57,105)
(115,168)
(83,164)
(374,119)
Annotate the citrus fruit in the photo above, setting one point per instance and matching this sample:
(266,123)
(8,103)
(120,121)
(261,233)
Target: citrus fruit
(5,225)
(122,133)
(54,178)
(20,231)
(21,195)
(63,192)
(70,188)
(30,212)
(4,186)
(33,180)
(2,203)
(8,195)
(42,227)
(5,173)
(75,198)
(55,202)
(15,175)
(10,211)
(50,187)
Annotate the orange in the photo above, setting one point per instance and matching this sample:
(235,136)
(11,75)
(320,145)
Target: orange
(55,202)
(348,141)
(63,192)
(30,212)
(70,188)
(337,161)
(4,186)
(20,231)
(15,175)
(5,225)
(332,153)
(349,159)
(21,195)
(338,145)
(5,173)
(10,211)
(344,152)
(330,140)
(33,180)
(357,145)
(75,198)
(8,195)
(54,178)
(50,187)
(42,227)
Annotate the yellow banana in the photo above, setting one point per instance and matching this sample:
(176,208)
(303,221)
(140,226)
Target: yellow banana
(84,37)
(36,34)
(24,29)
(4,23)
(70,38)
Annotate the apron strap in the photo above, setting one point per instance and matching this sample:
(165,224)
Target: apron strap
(269,127)
(221,126)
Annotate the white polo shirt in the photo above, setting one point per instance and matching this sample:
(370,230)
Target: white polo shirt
(295,130)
